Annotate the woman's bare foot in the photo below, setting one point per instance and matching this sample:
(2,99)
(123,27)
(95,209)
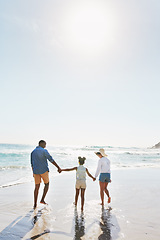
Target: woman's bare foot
(43,202)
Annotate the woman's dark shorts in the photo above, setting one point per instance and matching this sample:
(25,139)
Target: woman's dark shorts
(105,177)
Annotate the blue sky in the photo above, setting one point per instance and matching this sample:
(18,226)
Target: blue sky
(80,72)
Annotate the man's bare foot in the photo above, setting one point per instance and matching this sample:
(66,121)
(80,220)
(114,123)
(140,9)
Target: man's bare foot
(109,199)
(43,202)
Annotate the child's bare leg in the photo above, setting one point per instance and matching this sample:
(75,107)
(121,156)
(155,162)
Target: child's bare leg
(76,196)
(82,198)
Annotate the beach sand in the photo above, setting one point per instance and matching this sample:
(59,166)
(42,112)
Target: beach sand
(135,210)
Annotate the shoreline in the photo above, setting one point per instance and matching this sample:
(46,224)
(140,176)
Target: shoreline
(55,174)
(134,215)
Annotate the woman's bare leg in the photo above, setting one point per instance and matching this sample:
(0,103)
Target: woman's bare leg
(102,188)
(107,192)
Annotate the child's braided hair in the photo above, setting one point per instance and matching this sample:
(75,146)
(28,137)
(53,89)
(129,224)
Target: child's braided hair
(81,160)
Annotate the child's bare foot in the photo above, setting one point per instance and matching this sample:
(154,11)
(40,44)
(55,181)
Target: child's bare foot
(43,202)
(102,204)
(109,199)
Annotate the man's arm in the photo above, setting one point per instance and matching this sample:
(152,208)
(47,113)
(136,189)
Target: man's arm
(69,169)
(31,160)
(55,164)
(32,164)
(90,175)
(49,157)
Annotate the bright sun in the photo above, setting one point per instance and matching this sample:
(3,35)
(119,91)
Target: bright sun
(89,29)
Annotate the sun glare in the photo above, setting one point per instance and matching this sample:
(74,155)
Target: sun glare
(89,29)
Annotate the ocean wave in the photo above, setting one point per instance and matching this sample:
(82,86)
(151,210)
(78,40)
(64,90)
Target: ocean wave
(61,153)
(13,184)
(129,153)
(14,157)
(12,167)
(10,185)
(135,166)
(138,153)
(99,147)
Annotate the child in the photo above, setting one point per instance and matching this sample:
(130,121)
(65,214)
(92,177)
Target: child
(80,180)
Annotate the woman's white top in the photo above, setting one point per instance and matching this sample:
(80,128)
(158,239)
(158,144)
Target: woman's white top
(103,166)
(81,173)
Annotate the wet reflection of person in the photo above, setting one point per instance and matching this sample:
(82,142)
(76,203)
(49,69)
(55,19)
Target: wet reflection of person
(105,225)
(36,217)
(79,225)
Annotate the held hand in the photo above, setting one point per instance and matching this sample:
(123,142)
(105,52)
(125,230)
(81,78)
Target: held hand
(94,179)
(59,170)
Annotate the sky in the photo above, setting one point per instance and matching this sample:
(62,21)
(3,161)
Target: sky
(80,72)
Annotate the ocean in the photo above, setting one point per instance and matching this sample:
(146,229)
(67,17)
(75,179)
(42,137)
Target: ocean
(15,165)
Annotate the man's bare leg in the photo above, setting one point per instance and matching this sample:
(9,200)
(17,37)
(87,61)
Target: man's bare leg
(36,190)
(46,186)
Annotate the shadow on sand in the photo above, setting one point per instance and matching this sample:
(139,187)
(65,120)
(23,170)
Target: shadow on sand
(20,226)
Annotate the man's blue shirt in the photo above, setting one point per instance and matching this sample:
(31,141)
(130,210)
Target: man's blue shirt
(39,161)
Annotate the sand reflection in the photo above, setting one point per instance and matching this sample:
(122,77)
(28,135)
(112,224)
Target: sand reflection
(105,225)
(79,225)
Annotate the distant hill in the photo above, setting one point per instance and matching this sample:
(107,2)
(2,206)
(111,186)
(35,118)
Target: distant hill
(157,145)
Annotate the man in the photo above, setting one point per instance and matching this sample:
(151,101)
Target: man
(39,157)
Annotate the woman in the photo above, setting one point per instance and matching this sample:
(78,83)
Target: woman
(104,169)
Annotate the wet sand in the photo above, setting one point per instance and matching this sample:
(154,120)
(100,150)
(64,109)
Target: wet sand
(135,210)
